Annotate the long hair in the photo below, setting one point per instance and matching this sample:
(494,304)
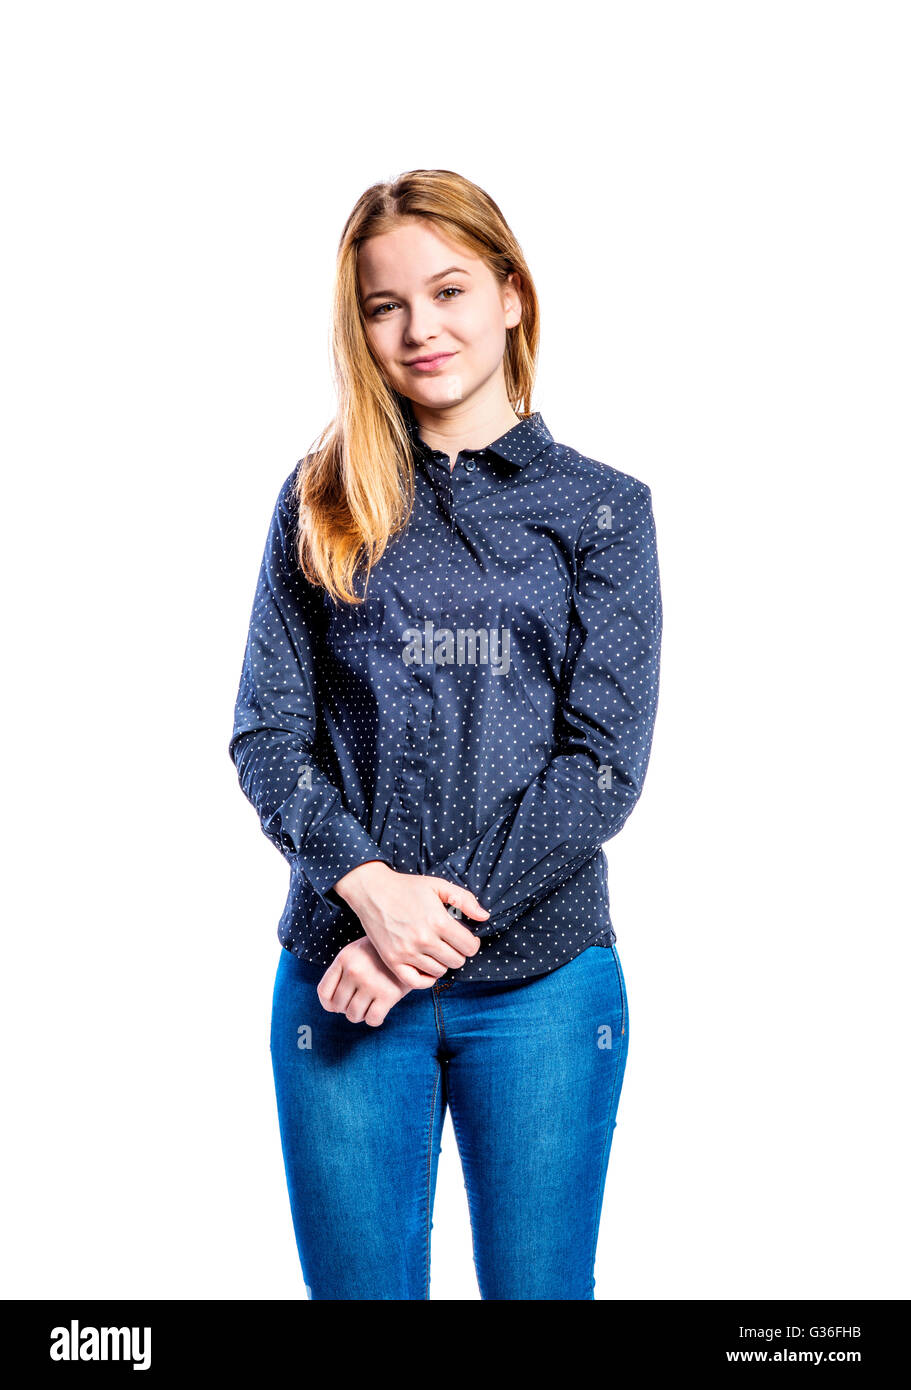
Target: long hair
(355,489)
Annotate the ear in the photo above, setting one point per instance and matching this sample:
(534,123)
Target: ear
(512,299)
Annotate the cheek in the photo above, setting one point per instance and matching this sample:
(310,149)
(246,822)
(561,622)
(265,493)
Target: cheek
(471,333)
(383,351)
(490,333)
(374,339)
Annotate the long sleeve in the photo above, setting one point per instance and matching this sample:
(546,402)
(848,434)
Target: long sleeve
(542,835)
(275,722)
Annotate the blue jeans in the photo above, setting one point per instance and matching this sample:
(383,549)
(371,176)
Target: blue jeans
(531,1072)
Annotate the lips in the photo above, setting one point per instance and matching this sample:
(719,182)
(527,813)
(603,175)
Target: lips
(430,364)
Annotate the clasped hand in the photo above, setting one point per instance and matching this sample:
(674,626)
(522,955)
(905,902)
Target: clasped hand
(411,940)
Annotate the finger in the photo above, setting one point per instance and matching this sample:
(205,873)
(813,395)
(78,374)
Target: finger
(459,937)
(375,1014)
(326,987)
(415,979)
(343,993)
(428,963)
(423,963)
(424,980)
(360,1002)
(462,898)
(447,955)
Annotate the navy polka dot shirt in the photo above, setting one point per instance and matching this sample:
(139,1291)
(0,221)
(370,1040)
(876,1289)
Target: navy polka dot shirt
(485,715)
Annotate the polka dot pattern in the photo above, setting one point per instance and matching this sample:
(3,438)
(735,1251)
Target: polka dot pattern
(485,715)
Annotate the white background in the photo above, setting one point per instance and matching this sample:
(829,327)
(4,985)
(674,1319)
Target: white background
(714,202)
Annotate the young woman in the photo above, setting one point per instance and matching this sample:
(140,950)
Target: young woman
(445,709)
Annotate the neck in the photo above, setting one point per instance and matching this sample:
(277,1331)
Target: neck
(464,425)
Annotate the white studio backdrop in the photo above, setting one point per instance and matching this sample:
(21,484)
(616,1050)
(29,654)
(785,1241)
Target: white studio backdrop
(713,199)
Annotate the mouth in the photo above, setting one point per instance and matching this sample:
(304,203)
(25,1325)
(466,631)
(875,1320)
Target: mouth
(429,364)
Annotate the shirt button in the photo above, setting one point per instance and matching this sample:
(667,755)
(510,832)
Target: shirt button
(470,465)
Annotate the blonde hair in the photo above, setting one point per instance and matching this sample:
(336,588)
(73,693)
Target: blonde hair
(355,489)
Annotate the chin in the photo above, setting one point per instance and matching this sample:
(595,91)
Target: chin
(439,391)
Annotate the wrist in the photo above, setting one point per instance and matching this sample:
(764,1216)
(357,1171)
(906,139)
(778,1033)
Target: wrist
(359,885)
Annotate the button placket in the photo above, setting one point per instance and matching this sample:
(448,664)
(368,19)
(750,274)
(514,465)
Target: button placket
(446,497)
(413,771)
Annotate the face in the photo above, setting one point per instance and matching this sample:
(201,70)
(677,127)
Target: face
(424,296)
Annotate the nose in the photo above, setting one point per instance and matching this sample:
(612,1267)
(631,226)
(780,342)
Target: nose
(421,328)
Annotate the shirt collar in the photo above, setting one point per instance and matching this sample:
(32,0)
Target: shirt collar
(519,445)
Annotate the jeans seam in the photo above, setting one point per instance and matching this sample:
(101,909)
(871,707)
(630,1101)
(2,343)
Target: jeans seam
(471,1213)
(438,1014)
(613,952)
(599,1200)
(433,1107)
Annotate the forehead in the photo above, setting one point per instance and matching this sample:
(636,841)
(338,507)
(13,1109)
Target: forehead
(409,254)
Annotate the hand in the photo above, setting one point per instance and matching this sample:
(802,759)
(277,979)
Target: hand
(358,985)
(405,918)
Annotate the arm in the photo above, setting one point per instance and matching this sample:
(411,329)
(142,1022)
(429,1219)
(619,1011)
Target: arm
(275,722)
(545,833)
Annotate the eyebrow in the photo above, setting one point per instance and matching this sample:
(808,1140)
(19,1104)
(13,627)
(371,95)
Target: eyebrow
(390,294)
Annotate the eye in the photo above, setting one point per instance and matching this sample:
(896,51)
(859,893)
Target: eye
(378,312)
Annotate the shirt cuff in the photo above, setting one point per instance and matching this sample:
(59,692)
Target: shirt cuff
(336,847)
